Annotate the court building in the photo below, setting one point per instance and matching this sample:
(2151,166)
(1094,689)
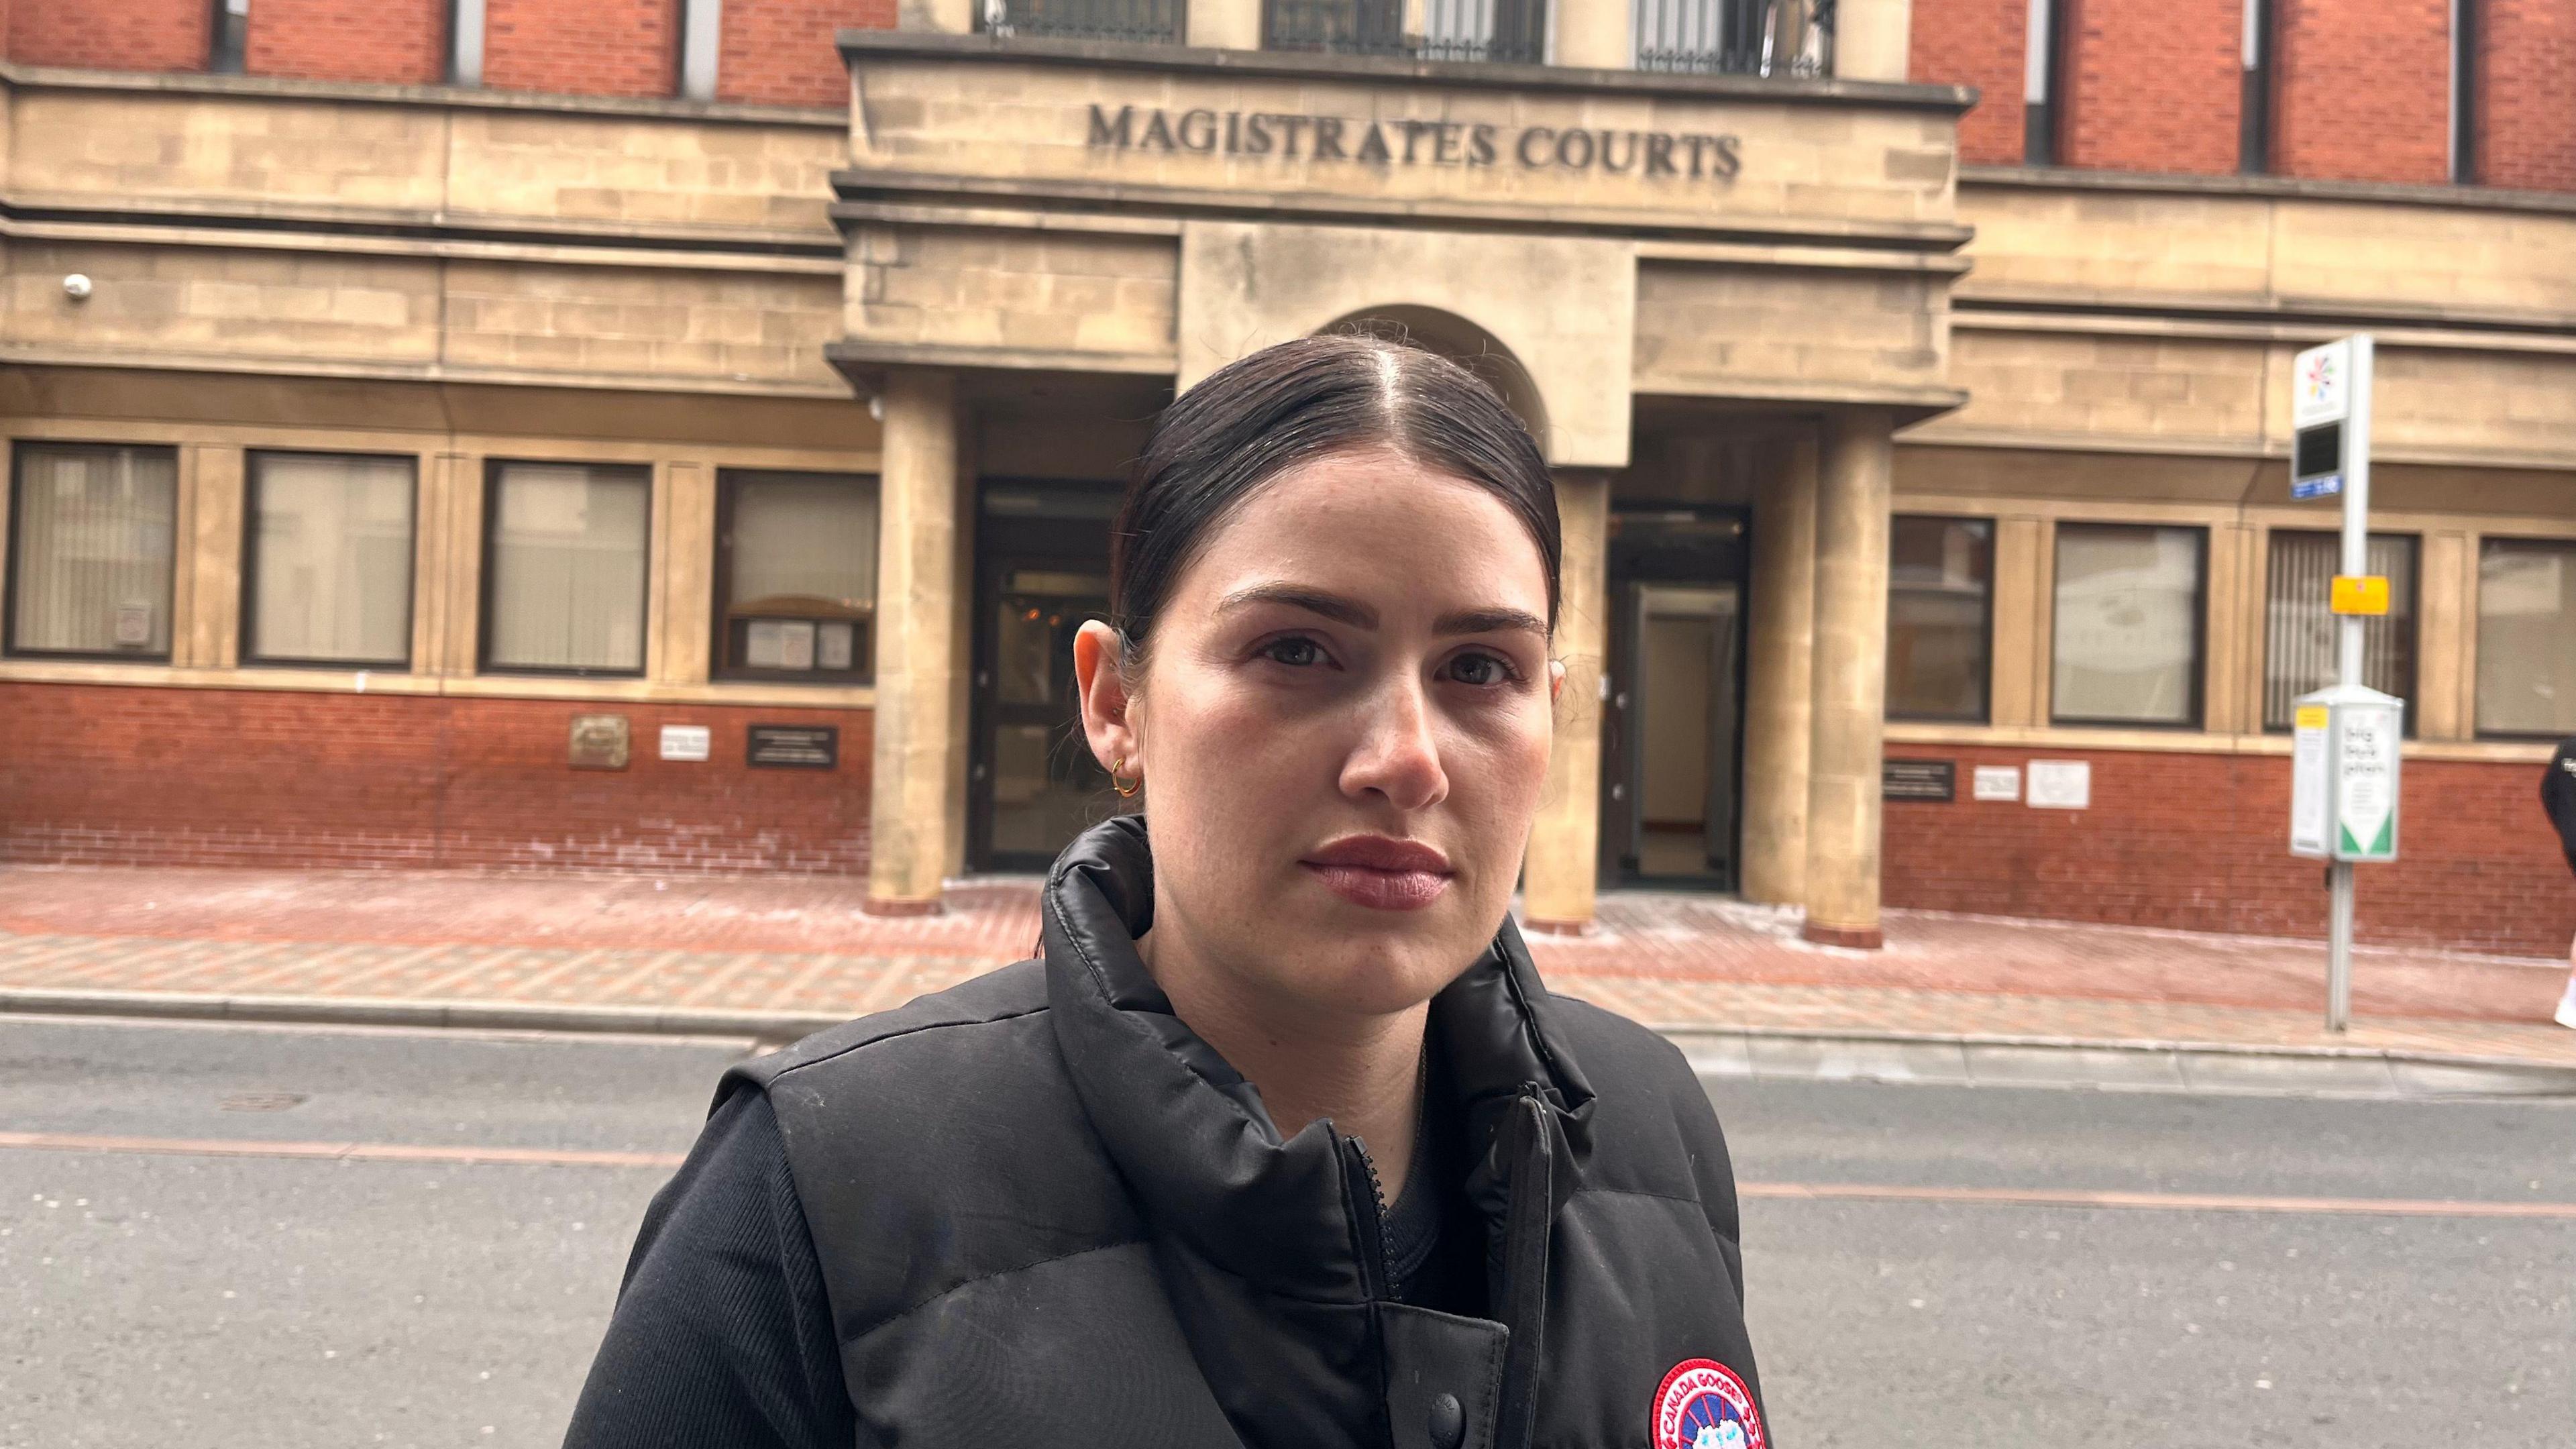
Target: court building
(682,435)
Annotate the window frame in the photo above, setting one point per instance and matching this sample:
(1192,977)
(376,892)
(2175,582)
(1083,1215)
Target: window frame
(2477,626)
(720,574)
(248,654)
(1985,714)
(493,471)
(17,540)
(2198,718)
(2415,646)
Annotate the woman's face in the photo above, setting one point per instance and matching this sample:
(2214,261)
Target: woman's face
(1343,724)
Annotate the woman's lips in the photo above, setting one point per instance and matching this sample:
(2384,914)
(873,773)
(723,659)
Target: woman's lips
(1381,873)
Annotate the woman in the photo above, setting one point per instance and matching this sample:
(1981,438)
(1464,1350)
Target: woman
(1279,1141)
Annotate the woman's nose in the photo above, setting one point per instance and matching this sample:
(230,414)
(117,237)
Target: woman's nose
(1397,755)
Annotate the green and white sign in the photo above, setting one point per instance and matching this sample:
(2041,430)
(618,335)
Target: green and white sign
(2344,771)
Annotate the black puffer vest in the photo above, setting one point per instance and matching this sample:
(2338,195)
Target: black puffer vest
(1048,1213)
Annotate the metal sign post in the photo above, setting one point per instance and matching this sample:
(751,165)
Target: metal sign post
(2345,753)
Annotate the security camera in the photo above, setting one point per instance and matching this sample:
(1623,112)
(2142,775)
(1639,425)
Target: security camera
(76,287)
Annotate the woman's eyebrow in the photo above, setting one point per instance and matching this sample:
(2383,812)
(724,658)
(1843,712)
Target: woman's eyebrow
(1351,611)
(1313,601)
(1490,621)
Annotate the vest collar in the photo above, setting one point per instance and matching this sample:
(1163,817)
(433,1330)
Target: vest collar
(1191,1136)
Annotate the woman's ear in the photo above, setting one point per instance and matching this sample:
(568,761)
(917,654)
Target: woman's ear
(1102,682)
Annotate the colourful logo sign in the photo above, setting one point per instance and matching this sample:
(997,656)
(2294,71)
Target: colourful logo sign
(1703,1405)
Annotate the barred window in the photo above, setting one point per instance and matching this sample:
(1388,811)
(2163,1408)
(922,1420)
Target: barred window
(2301,653)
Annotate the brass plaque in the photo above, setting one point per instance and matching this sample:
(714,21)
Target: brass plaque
(599,742)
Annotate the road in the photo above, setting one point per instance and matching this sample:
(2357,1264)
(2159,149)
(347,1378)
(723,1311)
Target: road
(230,1295)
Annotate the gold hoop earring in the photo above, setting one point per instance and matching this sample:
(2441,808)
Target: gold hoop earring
(1125,791)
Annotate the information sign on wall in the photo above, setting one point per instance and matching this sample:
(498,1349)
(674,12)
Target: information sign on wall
(794,747)
(1919,779)
(2061,784)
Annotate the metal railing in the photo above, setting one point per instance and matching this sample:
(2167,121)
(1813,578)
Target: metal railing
(1150,21)
(1736,37)
(1512,31)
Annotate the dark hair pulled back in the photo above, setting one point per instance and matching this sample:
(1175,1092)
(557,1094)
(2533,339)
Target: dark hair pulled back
(1283,406)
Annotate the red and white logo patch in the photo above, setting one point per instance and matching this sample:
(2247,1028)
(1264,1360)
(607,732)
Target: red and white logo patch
(1703,1405)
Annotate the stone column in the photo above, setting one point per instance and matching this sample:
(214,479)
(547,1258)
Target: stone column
(1594,34)
(1873,39)
(1565,841)
(1225,24)
(1854,479)
(1778,680)
(936,17)
(917,582)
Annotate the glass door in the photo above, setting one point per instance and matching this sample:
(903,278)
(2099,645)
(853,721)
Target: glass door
(1041,571)
(1673,715)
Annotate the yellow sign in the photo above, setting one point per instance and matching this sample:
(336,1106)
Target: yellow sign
(2367,594)
(2311,717)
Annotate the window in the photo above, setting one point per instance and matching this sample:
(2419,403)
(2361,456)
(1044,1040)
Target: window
(1940,599)
(2128,625)
(2527,637)
(329,575)
(563,568)
(2300,648)
(796,576)
(230,39)
(91,532)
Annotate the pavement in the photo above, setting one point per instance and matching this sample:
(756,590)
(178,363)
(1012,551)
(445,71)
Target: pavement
(305,1237)
(1956,999)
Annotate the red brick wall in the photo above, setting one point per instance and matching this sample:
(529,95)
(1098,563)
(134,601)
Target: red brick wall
(582,47)
(107,775)
(2362,92)
(780,52)
(2200,842)
(401,42)
(2152,87)
(1977,43)
(2526,121)
(112,34)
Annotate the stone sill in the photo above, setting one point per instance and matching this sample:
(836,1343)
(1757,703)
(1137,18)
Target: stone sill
(2040,740)
(344,681)
(2278,188)
(459,97)
(861,45)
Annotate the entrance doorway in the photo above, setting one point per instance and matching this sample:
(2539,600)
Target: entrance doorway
(1672,726)
(1041,570)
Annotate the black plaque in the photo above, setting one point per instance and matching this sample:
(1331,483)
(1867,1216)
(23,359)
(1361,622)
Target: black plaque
(1919,779)
(794,747)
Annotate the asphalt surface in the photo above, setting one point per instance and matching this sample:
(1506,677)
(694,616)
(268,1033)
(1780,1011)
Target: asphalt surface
(194,1299)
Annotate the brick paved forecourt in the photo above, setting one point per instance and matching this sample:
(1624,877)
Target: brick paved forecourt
(1952,999)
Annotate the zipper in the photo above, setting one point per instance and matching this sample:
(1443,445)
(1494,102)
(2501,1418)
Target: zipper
(1526,1225)
(1368,1214)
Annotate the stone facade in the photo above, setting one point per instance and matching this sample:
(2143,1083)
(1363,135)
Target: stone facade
(974,264)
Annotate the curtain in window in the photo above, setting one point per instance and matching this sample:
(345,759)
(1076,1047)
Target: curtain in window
(2300,653)
(332,556)
(2128,624)
(2527,637)
(95,529)
(568,551)
(1940,577)
(801,572)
